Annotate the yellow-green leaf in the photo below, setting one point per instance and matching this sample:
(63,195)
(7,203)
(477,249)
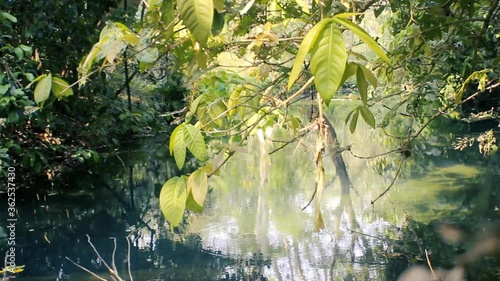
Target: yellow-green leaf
(61,88)
(216,111)
(195,142)
(198,186)
(173,200)
(481,75)
(42,89)
(131,38)
(233,101)
(328,61)
(305,47)
(364,36)
(191,204)
(362,85)
(347,15)
(367,116)
(197,16)
(219,5)
(177,145)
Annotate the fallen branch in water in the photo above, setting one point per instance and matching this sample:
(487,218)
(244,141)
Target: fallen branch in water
(112,269)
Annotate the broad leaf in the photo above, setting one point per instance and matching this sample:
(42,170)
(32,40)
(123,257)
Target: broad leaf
(198,186)
(131,38)
(173,200)
(177,145)
(216,111)
(362,85)
(365,37)
(195,142)
(42,89)
(305,47)
(328,61)
(367,116)
(61,88)
(191,204)
(197,16)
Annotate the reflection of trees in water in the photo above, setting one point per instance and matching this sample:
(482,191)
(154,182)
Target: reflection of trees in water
(98,203)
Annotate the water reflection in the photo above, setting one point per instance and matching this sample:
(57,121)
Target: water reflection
(253,226)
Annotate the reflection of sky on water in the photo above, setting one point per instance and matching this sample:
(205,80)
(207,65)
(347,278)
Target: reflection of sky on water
(252,218)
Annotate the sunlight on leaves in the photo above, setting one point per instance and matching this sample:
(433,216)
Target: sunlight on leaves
(173,200)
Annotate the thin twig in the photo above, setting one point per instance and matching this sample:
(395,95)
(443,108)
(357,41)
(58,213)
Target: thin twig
(128,260)
(298,92)
(430,265)
(392,183)
(86,270)
(113,264)
(111,271)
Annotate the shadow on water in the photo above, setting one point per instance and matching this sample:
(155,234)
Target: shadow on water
(253,226)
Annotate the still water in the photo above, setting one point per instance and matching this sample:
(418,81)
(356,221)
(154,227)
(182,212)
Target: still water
(254,226)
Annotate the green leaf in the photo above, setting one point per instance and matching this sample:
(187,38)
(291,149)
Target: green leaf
(13,117)
(368,116)
(328,61)
(216,111)
(168,17)
(349,71)
(218,23)
(354,121)
(173,200)
(42,89)
(195,142)
(4,89)
(131,38)
(61,88)
(177,145)
(19,53)
(9,17)
(362,85)
(365,37)
(234,100)
(194,105)
(369,75)
(36,80)
(349,116)
(305,47)
(219,5)
(197,184)
(191,204)
(86,63)
(26,49)
(197,16)
(358,55)
(347,15)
